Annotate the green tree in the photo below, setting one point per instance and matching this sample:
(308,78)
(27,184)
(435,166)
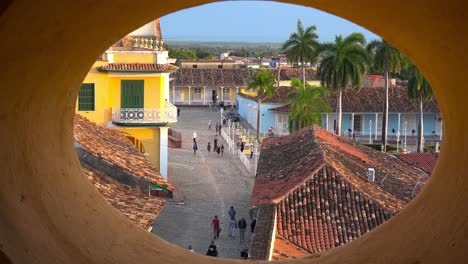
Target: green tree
(262,83)
(419,89)
(343,64)
(182,54)
(386,59)
(307,104)
(302,46)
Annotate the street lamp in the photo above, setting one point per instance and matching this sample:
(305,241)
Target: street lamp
(398,141)
(406,132)
(229,133)
(221,110)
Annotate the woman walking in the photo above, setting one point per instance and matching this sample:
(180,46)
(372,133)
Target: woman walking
(195,148)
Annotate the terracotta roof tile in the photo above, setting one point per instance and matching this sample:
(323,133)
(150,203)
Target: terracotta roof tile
(318,184)
(141,209)
(370,100)
(112,146)
(284,249)
(229,77)
(137,67)
(424,161)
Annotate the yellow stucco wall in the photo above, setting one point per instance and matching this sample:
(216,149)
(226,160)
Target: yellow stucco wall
(50,213)
(134,58)
(149,137)
(102,111)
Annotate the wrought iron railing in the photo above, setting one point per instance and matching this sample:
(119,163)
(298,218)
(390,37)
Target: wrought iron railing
(145,115)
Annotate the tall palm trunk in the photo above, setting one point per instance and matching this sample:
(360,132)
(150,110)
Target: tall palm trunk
(385,110)
(420,147)
(259,104)
(278,77)
(339,112)
(303,71)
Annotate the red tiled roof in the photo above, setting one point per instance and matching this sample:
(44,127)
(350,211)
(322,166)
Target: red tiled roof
(229,77)
(326,212)
(278,98)
(112,146)
(319,185)
(137,67)
(285,162)
(284,249)
(288,161)
(371,100)
(140,209)
(425,161)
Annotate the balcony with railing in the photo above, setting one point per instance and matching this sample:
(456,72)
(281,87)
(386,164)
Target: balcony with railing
(145,116)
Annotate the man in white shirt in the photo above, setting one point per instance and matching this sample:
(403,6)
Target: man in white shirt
(194,136)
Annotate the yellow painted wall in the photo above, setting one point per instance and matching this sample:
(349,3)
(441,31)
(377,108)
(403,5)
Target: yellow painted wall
(149,137)
(101,113)
(134,58)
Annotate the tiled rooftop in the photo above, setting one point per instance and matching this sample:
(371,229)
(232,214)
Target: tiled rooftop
(137,67)
(278,98)
(283,249)
(371,100)
(319,185)
(229,77)
(112,146)
(425,161)
(140,209)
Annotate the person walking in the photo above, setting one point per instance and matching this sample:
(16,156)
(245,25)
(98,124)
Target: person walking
(242,146)
(212,250)
(208,147)
(194,136)
(232,228)
(215,141)
(216,127)
(242,225)
(195,148)
(209,124)
(178,112)
(222,149)
(219,128)
(251,150)
(252,225)
(232,212)
(218,150)
(215,226)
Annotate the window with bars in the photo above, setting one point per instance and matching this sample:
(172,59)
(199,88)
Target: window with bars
(86,97)
(197,94)
(227,94)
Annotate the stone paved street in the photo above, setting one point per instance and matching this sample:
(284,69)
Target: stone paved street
(209,186)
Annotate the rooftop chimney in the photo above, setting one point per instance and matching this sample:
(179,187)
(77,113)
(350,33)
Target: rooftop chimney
(370,174)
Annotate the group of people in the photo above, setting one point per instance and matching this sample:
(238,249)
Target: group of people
(218,148)
(234,228)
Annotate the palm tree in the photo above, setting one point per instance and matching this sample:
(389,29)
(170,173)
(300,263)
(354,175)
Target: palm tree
(307,104)
(387,59)
(262,83)
(344,63)
(420,89)
(302,46)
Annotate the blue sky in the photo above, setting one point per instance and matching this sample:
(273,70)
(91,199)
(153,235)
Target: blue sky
(252,21)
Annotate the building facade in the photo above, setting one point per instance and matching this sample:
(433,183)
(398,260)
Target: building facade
(128,89)
(362,115)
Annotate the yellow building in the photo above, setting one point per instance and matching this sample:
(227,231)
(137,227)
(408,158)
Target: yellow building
(128,89)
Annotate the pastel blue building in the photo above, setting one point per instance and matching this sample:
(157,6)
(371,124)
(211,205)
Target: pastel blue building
(362,114)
